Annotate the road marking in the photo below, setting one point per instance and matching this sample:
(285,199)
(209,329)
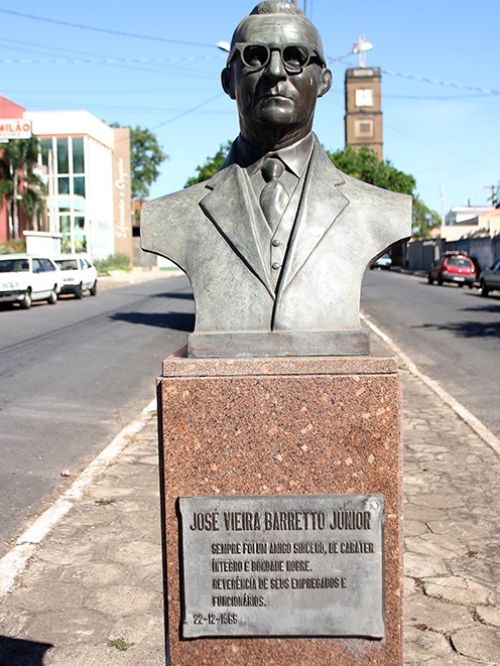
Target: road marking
(473,422)
(15,561)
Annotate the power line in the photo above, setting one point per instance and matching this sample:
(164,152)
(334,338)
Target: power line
(121,33)
(59,60)
(108,31)
(421,79)
(188,111)
(438,82)
(454,164)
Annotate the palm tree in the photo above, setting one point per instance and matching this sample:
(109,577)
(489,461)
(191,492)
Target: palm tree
(19,182)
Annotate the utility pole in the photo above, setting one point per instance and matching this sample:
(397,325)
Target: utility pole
(495,194)
(441,198)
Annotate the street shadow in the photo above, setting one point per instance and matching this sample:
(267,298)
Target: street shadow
(177,321)
(20,652)
(493,308)
(175,294)
(447,285)
(468,329)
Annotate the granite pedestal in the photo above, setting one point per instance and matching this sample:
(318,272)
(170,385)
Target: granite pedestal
(291,427)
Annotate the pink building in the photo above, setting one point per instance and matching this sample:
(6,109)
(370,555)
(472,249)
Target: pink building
(8,109)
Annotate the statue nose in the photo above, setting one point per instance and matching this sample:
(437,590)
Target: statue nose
(275,68)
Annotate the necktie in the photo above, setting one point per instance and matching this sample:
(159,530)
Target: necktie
(274,197)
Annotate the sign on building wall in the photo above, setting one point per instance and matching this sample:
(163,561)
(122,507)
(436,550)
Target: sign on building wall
(122,193)
(14,128)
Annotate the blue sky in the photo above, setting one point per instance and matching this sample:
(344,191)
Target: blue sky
(445,132)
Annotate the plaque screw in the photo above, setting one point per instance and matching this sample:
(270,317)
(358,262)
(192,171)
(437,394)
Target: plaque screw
(374,504)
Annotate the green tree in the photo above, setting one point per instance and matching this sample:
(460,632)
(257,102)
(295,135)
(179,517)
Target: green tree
(146,157)
(424,219)
(364,163)
(20,184)
(211,165)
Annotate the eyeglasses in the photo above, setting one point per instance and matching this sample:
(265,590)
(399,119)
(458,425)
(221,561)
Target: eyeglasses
(295,57)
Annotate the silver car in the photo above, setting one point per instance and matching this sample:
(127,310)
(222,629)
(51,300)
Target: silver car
(490,279)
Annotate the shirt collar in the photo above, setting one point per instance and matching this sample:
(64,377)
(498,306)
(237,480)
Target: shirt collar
(294,157)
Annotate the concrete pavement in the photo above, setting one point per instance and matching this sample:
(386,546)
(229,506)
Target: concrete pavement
(92,592)
(135,276)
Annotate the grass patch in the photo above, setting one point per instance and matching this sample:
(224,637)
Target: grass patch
(104,501)
(16,246)
(115,262)
(120,644)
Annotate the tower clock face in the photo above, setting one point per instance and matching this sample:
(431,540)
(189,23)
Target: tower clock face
(364,97)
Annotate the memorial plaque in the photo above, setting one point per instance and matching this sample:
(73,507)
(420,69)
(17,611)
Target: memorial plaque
(283,565)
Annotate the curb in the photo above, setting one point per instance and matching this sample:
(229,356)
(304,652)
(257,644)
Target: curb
(15,561)
(474,423)
(113,281)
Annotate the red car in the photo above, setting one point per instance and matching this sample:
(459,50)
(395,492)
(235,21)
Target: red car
(455,267)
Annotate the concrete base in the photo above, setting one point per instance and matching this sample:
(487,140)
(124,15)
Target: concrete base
(282,427)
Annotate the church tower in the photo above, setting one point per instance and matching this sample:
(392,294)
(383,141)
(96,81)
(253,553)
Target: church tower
(363,103)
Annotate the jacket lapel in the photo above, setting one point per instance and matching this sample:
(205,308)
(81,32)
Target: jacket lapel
(321,204)
(229,206)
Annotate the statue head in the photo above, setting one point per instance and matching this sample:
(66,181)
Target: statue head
(276,70)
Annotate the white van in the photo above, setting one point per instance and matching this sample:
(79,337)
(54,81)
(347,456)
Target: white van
(25,278)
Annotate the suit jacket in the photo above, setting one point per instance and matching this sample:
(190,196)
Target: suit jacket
(212,231)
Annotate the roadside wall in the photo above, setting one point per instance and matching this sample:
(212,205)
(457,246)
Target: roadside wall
(421,253)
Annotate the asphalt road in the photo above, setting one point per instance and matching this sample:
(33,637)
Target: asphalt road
(71,376)
(452,334)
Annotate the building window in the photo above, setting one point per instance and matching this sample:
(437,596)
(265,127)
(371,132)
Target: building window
(79,186)
(62,156)
(78,155)
(63,185)
(79,239)
(46,147)
(65,230)
(363,129)
(364,97)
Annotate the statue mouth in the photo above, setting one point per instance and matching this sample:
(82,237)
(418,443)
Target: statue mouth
(274,96)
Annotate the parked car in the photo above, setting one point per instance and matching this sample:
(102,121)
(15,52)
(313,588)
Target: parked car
(25,278)
(489,279)
(455,267)
(78,275)
(384,262)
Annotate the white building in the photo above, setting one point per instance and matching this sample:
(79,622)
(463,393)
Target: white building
(87,167)
(462,213)
(486,224)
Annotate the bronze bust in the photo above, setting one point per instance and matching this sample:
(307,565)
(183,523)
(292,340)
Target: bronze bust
(276,243)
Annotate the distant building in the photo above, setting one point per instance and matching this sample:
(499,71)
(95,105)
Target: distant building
(363,108)
(486,223)
(86,165)
(462,213)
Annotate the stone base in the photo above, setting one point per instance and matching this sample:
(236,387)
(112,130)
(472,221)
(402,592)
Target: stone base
(282,427)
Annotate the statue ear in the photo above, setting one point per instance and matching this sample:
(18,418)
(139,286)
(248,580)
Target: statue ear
(325,83)
(227,82)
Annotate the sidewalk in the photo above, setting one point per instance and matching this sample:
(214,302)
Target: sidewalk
(135,276)
(92,594)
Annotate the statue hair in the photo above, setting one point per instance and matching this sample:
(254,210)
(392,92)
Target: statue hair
(276,7)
